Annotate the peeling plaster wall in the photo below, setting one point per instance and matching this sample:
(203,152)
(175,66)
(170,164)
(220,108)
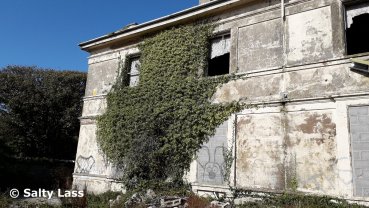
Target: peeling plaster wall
(90,161)
(101,76)
(309,36)
(92,170)
(262,48)
(259,155)
(264,88)
(273,150)
(315,82)
(300,139)
(311,147)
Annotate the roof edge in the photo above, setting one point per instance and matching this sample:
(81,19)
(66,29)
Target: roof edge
(100,40)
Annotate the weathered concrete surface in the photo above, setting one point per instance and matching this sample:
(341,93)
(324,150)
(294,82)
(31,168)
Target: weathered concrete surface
(92,170)
(325,81)
(101,76)
(287,149)
(96,184)
(264,88)
(309,36)
(89,159)
(311,145)
(262,48)
(94,107)
(259,152)
(314,82)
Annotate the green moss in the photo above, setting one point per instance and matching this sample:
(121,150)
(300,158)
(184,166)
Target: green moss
(154,130)
(293,184)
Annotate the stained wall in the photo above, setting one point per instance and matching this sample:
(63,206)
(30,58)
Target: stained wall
(296,75)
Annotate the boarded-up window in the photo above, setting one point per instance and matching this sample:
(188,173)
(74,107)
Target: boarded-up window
(359,131)
(210,158)
(357,30)
(134,71)
(219,55)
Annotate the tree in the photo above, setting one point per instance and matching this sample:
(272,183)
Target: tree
(39,110)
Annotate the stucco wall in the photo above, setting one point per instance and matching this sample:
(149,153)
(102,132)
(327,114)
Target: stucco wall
(295,70)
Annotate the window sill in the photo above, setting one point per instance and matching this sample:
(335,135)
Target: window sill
(356,55)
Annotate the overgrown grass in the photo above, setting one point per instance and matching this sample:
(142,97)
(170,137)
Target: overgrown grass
(102,200)
(291,200)
(287,200)
(4,201)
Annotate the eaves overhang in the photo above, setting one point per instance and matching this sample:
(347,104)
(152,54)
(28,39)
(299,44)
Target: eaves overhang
(187,15)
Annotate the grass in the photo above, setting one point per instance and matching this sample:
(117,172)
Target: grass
(287,200)
(295,200)
(4,201)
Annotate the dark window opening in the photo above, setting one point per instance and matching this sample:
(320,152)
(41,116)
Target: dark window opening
(358,35)
(134,71)
(219,65)
(218,62)
(357,28)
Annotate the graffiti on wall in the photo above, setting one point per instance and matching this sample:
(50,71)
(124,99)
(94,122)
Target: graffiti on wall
(210,158)
(84,164)
(211,165)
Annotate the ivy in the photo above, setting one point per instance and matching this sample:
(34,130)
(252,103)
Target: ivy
(154,130)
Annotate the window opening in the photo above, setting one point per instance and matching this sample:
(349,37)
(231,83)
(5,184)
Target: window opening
(134,71)
(357,29)
(218,63)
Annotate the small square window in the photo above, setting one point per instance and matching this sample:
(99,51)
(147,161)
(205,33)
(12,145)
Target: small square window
(357,27)
(218,63)
(134,71)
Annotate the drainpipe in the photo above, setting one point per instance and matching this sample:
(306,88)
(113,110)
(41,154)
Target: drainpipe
(282,10)
(284,98)
(284,32)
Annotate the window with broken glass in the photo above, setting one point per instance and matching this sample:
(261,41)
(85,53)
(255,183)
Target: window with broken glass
(218,63)
(134,70)
(357,30)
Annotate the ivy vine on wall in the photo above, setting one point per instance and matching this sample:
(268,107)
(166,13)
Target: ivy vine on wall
(154,130)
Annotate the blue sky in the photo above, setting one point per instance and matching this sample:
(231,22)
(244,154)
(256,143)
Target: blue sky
(46,33)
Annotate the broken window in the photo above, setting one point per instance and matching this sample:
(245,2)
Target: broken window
(134,70)
(357,30)
(218,63)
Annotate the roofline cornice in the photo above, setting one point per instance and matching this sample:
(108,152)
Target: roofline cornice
(160,23)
